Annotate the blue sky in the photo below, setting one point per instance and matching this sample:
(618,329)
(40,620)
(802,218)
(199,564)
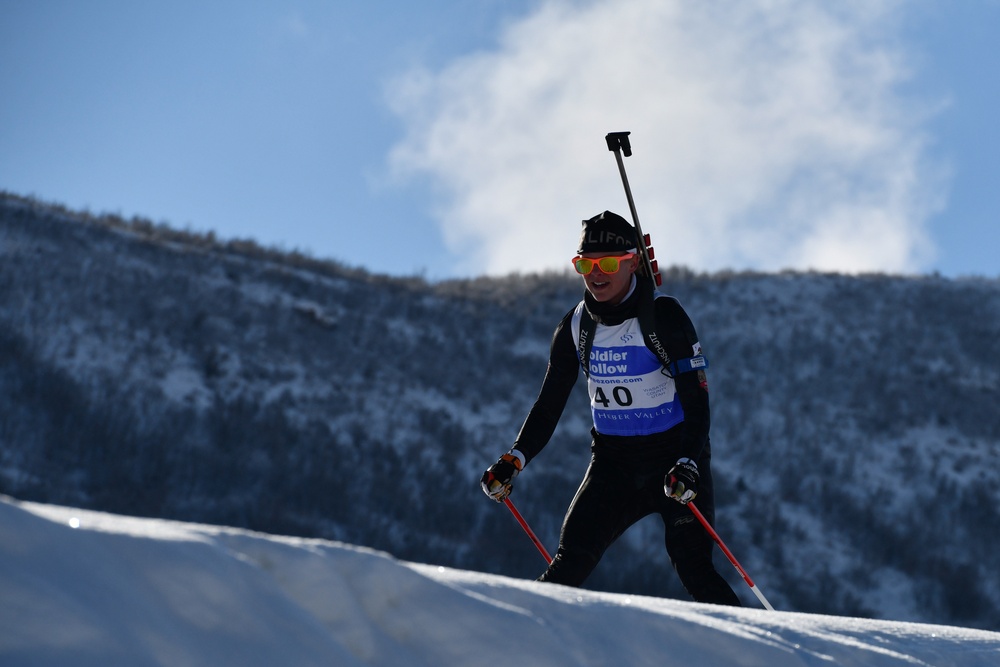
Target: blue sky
(465,137)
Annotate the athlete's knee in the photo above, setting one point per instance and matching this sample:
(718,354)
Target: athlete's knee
(570,567)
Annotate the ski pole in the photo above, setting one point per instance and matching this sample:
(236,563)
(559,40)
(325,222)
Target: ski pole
(730,556)
(619,143)
(527,529)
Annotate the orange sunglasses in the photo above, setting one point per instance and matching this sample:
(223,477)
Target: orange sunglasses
(610,264)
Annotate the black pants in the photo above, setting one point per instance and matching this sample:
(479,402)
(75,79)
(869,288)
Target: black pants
(615,494)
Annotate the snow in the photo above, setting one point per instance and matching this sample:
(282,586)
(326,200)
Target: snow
(88,588)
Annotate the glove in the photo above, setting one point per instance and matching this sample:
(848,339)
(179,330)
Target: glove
(498,480)
(681,483)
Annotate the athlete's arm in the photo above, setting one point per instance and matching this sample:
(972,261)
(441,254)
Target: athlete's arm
(560,376)
(692,385)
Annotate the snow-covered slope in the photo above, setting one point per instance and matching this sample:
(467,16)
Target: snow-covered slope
(86,588)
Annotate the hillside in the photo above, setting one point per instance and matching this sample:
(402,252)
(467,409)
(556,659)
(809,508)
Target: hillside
(151,372)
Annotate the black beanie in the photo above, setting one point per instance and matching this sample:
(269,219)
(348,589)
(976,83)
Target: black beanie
(607,232)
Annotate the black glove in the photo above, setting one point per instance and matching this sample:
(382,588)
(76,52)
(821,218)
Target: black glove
(681,483)
(498,480)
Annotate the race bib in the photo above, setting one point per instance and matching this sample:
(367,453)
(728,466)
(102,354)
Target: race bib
(629,395)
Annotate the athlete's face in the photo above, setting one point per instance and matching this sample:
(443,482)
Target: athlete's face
(610,288)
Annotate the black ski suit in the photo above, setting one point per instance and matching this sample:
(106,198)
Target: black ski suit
(624,481)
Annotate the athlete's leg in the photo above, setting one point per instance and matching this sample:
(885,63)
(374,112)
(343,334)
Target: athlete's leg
(604,506)
(690,547)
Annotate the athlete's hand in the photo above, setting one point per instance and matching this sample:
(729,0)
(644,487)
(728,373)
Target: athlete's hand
(498,480)
(681,483)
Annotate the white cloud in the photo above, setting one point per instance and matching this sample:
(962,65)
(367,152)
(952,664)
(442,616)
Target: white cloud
(767,134)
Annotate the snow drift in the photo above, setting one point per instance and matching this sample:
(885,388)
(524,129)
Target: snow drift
(88,588)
